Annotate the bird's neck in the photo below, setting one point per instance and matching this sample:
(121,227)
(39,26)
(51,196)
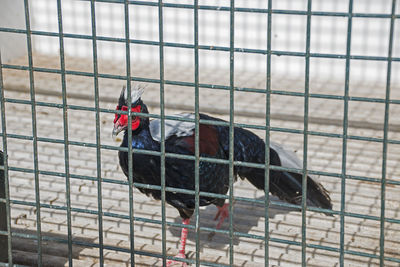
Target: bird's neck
(141,138)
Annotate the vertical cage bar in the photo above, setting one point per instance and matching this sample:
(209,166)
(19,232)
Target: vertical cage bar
(345,126)
(34,132)
(267,134)
(5,161)
(65,124)
(231,125)
(162,120)
(385,137)
(305,141)
(197,130)
(129,99)
(98,149)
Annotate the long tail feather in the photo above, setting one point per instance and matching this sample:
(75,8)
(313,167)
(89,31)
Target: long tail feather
(284,184)
(288,186)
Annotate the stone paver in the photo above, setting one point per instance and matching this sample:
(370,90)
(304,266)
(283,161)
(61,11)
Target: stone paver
(325,154)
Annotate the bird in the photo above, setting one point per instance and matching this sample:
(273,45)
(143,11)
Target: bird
(213,176)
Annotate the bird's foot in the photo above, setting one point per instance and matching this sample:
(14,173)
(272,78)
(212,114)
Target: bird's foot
(171,263)
(223,212)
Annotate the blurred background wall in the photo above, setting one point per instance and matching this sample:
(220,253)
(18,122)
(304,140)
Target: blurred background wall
(329,34)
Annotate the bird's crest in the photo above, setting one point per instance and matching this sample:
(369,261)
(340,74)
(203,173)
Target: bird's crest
(136,92)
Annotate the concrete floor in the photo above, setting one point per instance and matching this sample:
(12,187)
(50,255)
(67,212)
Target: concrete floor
(364,158)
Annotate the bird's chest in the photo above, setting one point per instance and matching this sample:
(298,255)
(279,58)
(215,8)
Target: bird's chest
(140,161)
(143,164)
(138,143)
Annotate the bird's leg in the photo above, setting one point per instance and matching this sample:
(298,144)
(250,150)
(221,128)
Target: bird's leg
(222,213)
(182,245)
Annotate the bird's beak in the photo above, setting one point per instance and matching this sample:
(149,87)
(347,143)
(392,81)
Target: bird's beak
(117,129)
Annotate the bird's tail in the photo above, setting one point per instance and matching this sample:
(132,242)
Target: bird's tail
(285,184)
(288,187)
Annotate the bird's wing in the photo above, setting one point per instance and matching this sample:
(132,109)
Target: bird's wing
(180,135)
(287,157)
(172,127)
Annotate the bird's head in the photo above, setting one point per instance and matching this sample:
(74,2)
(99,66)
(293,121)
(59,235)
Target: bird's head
(137,105)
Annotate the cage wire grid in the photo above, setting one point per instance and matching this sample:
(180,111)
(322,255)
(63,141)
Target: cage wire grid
(233,9)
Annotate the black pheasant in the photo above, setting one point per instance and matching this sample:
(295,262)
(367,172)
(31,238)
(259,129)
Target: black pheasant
(214,177)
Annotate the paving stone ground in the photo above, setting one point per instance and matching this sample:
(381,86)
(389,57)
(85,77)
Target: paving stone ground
(364,159)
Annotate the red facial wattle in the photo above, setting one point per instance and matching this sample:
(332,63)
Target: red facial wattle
(121,120)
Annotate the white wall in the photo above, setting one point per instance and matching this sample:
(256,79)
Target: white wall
(12,45)
(369,36)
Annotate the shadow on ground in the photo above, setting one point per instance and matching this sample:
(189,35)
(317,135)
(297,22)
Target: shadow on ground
(54,253)
(246,215)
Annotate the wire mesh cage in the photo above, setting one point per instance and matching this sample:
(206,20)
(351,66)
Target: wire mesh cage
(316,76)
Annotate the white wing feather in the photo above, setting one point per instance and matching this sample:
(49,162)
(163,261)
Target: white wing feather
(288,158)
(172,127)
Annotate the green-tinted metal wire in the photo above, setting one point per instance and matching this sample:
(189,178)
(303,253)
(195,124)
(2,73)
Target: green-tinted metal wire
(221,123)
(305,140)
(206,194)
(258,237)
(34,131)
(212,160)
(162,120)
(231,126)
(98,149)
(203,47)
(197,130)
(346,98)
(65,125)
(226,232)
(209,122)
(267,135)
(238,234)
(130,160)
(385,137)
(253,10)
(344,144)
(5,164)
(143,253)
(210,86)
